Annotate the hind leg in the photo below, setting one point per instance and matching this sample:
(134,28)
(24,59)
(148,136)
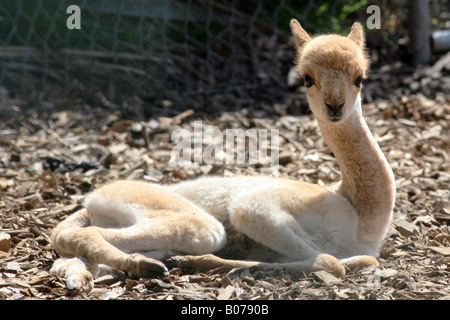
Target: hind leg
(184,233)
(128,216)
(187,233)
(139,217)
(78,277)
(90,243)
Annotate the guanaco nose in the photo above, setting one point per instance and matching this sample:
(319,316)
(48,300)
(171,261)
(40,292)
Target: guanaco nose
(334,111)
(334,107)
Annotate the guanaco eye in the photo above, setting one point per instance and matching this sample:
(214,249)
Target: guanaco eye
(308,81)
(358,82)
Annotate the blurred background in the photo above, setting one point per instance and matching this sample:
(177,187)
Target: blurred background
(197,54)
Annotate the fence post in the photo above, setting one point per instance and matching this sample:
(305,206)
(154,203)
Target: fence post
(419,32)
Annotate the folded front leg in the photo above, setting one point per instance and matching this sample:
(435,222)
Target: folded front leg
(262,218)
(209,262)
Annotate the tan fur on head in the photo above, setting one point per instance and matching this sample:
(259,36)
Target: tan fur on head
(332,65)
(301,37)
(356,35)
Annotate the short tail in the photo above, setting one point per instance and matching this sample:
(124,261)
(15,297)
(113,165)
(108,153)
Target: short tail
(78,220)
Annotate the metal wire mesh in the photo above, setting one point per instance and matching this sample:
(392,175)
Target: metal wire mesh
(169,47)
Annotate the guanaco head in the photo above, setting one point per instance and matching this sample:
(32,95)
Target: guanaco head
(333,68)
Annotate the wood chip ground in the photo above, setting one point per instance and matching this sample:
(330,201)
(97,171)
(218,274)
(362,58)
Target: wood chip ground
(88,145)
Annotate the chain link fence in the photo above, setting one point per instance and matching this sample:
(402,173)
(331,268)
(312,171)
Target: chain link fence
(170,49)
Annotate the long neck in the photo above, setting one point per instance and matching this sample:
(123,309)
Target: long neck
(367,179)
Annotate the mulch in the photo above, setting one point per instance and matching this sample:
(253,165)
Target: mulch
(48,160)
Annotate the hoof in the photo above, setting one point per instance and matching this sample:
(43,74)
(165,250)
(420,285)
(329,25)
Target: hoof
(356,263)
(78,278)
(330,264)
(79,283)
(140,266)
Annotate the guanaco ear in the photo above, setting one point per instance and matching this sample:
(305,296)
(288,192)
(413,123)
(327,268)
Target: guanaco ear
(301,37)
(357,34)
